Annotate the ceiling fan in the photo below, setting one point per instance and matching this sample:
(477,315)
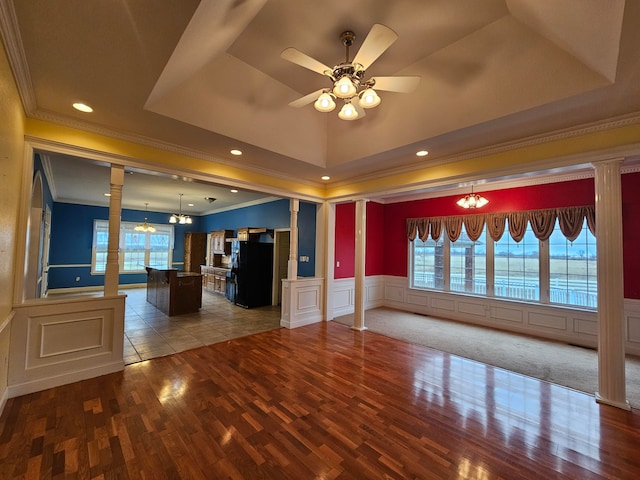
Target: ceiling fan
(348,78)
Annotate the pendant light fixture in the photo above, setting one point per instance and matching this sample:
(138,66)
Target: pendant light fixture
(145,227)
(179,217)
(472,200)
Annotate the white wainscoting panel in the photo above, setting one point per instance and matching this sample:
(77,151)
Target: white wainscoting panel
(474,309)
(632,318)
(547,320)
(509,314)
(344,294)
(343,298)
(302,302)
(575,326)
(54,342)
(442,305)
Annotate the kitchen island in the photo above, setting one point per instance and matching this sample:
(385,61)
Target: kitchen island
(174,292)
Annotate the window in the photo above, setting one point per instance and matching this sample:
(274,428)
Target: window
(137,249)
(517,267)
(572,269)
(468,264)
(428,264)
(555,271)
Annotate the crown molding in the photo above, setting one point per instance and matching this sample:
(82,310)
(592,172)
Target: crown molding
(563,134)
(10,32)
(502,184)
(65,121)
(42,144)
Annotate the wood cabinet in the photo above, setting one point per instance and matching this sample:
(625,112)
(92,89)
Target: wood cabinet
(219,244)
(195,251)
(215,279)
(250,234)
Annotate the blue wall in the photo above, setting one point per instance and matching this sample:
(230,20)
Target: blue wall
(72,232)
(47,201)
(273,215)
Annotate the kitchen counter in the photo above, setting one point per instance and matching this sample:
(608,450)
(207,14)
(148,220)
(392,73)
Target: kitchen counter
(174,292)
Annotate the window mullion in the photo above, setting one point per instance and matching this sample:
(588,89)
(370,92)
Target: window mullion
(490,266)
(446,263)
(544,271)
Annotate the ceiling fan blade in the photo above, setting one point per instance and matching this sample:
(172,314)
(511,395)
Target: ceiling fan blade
(378,40)
(307,99)
(400,84)
(296,56)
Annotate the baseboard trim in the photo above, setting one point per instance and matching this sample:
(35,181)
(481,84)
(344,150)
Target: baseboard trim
(623,405)
(59,380)
(3,399)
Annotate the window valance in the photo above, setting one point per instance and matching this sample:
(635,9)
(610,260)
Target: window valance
(542,222)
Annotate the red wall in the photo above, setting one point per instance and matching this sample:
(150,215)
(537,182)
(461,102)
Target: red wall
(552,195)
(631,233)
(387,248)
(345,240)
(375,254)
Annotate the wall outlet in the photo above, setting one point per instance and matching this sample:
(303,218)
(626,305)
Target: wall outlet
(338,264)
(77,279)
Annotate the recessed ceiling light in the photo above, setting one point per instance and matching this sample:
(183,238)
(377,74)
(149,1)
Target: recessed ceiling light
(190,204)
(233,190)
(82,107)
(107,194)
(326,177)
(422,153)
(236,152)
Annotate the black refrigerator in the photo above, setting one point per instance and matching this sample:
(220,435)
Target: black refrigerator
(252,273)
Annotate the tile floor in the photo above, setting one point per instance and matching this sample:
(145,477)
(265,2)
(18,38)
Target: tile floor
(149,333)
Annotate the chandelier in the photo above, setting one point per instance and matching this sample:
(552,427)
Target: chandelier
(179,217)
(145,227)
(472,200)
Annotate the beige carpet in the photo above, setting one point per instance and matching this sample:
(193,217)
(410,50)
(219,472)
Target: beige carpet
(571,366)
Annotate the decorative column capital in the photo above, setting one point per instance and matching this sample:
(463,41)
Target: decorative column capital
(607,162)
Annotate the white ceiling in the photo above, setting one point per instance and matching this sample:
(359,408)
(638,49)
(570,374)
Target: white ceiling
(207,76)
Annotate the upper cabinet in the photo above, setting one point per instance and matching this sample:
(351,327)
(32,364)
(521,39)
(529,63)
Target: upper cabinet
(219,244)
(251,234)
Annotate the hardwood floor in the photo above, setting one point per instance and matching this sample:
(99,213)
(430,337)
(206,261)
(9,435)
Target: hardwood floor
(321,401)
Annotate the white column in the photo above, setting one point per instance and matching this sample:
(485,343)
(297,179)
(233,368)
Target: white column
(329,240)
(611,336)
(292,265)
(361,240)
(115,205)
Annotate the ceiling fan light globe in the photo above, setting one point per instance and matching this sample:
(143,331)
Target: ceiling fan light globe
(182,221)
(324,103)
(189,221)
(348,112)
(344,88)
(369,98)
(173,219)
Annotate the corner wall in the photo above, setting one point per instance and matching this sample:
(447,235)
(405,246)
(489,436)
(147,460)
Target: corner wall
(12,123)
